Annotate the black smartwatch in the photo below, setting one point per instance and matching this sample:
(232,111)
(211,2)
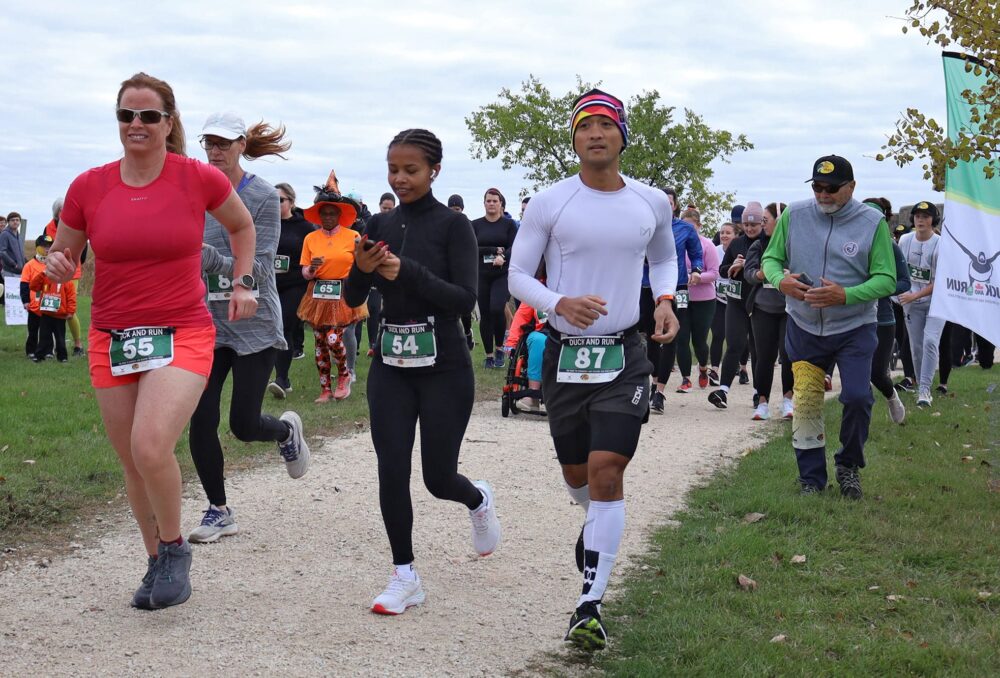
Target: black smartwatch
(246,281)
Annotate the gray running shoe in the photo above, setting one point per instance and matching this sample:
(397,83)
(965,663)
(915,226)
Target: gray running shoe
(275,389)
(295,450)
(140,599)
(215,523)
(172,581)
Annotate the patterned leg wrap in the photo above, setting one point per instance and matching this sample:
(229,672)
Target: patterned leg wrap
(807,423)
(334,339)
(322,358)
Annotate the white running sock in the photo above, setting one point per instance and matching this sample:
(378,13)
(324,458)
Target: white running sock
(725,389)
(601,536)
(406,572)
(581,495)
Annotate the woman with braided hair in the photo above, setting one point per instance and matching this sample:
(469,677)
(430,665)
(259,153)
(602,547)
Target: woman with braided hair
(422,257)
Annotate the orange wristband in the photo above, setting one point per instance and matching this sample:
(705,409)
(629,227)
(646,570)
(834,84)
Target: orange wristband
(668,297)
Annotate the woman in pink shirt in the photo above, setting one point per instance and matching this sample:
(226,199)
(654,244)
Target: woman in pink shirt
(701,305)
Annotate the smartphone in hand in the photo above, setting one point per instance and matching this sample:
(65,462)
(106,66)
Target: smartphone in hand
(805,279)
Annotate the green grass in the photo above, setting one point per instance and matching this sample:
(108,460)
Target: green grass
(48,416)
(928,530)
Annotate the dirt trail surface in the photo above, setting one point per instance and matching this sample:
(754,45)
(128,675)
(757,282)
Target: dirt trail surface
(290,594)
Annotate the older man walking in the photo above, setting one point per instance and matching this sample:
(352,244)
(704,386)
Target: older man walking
(832,259)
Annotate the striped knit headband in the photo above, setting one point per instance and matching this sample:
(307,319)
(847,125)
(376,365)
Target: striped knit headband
(596,102)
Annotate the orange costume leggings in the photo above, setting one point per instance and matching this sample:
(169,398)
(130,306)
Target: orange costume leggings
(330,344)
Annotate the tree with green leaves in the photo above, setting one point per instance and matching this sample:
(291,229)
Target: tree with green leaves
(530,129)
(973,25)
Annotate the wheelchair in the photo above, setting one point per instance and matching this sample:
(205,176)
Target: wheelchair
(516,384)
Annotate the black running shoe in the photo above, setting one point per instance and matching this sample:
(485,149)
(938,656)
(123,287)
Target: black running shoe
(744,377)
(77,351)
(850,482)
(806,490)
(756,400)
(719,399)
(579,551)
(942,389)
(906,385)
(656,403)
(585,628)
(713,377)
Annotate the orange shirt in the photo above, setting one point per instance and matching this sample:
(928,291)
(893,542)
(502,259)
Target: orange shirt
(337,251)
(27,274)
(41,284)
(50,230)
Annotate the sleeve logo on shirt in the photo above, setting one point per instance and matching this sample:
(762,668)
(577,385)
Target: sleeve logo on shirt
(851,248)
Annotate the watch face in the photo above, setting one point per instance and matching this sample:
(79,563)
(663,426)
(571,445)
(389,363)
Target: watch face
(246,281)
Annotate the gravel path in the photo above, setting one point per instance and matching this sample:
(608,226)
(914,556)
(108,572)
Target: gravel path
(289,594)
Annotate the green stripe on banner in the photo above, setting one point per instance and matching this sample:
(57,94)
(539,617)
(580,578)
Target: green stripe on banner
(966,182)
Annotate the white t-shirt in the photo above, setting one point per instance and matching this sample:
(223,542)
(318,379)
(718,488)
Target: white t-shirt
(594,242)
(921,258)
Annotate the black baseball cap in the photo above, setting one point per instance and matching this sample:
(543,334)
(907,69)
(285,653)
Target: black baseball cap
(44,240)
(833,170)
(926,207)
(456,201)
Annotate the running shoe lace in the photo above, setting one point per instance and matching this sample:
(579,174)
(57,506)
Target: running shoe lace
(212,516)
(289,450)
(850,480)
(481,521)
(397,586)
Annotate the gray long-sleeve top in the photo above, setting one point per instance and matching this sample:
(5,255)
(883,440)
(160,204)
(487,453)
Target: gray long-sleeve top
(264,329)
(11,252)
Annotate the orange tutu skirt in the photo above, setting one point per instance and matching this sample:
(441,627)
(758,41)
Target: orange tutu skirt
(328,312)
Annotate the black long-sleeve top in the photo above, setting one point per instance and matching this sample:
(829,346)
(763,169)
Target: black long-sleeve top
(437,275)
(490,235)
(739,245)
(293,231)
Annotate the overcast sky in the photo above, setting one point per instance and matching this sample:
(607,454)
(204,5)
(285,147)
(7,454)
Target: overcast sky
(800,78)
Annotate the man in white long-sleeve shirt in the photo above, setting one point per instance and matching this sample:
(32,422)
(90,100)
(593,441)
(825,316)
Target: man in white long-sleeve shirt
(594,230)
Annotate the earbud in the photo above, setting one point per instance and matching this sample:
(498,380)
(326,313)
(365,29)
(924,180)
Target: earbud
(434,174)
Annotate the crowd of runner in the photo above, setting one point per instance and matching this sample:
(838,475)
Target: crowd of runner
(803,288)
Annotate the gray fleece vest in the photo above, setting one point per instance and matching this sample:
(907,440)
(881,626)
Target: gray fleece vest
(836,247)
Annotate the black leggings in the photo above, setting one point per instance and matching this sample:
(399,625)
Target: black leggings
(492,301)
(374,315)
(944,353)
(903,341)
(701,315)
(291,325)
(675,349)
(250,375)
(769,342)
(880,361)
(737,339)
(718,333)
(442,402)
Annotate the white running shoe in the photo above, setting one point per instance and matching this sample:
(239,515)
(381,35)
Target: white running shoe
(762,412)
(215,523)
(787,409)
(399,595)
(924,398)
(295,450)
(897,411)
(485,525)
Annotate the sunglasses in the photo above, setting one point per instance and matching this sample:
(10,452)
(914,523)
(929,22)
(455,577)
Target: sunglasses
(147,116)
(825,188)
(221,145)
(284,199)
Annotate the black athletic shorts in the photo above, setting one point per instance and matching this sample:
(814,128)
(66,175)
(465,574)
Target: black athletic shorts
(585,417)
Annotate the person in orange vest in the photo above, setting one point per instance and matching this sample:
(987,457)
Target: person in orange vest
(30,301)
(73,321)
(56,303)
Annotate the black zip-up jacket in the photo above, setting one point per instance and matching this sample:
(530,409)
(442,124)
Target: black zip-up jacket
(437,275)
(490,235)
(739,245)
(768,299)
(293,231)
